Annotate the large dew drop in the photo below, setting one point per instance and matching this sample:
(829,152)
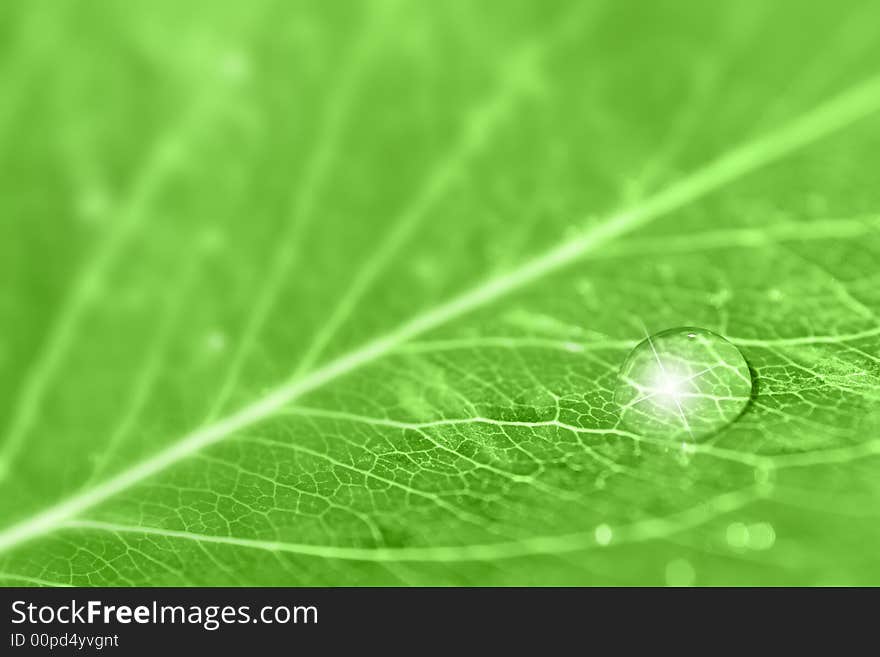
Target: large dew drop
(682,383)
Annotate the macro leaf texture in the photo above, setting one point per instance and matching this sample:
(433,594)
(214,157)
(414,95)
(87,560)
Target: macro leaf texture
(330,293)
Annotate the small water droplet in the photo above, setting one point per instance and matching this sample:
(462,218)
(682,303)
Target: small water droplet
(684,383)
(680,572)
(762,536)
(737,535)
(216,341)
(234,66)
(603,534)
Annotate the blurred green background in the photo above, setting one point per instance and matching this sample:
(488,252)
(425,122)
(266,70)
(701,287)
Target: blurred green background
(336,293)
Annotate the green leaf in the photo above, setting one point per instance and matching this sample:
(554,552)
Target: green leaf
(337,294)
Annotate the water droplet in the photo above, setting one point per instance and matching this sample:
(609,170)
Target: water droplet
(216,341)
(680,572)
(603,534)
(234,66)
(684,383)
(762,536)
(737,535)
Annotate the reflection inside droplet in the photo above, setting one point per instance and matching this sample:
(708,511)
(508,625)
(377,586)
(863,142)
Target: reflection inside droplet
(683,382)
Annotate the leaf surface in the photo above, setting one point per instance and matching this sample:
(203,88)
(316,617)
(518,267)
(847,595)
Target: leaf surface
(305,295)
